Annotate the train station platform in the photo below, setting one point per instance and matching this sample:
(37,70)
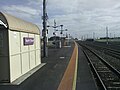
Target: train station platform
(49,76)
(66,69)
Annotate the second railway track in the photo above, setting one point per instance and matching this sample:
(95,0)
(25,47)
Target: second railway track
(107,76)
(107,50)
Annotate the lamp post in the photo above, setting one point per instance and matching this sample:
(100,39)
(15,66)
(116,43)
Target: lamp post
(55,26)
(61,32)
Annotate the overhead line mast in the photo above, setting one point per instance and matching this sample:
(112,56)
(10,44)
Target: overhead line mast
(107,35)
(45,49)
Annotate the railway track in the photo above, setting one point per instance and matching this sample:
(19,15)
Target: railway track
(112,52)
(107,76)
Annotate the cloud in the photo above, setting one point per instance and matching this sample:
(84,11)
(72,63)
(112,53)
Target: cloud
(84,16)
(78,16)
(21,9)
(34,2)
(25,12)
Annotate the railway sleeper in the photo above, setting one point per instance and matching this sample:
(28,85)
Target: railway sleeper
(99,64)
(102,69)
(110,79)
(112,83)
(113,88)
(116,82)
(106,76)
(113,55)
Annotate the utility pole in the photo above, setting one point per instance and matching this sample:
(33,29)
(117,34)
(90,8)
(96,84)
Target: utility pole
(87,36)
(55,25)
(107,35)
(114,35)
(94,35)
(110,35)
(45,50)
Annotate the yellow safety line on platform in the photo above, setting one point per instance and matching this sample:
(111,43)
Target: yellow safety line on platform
(68,81)
(76,66)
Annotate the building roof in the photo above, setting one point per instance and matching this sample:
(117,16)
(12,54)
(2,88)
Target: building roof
(16,24)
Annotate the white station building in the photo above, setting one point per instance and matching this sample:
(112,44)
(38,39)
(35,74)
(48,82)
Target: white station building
(19,47)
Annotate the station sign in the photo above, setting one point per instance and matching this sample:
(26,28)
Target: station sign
(28,41)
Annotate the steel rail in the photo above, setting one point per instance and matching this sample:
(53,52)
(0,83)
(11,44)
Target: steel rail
(110,67)
(95,71)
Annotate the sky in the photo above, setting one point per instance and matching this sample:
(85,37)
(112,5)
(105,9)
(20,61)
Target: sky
(82,18)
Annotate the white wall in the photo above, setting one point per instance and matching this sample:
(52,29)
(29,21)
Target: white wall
(23,58)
